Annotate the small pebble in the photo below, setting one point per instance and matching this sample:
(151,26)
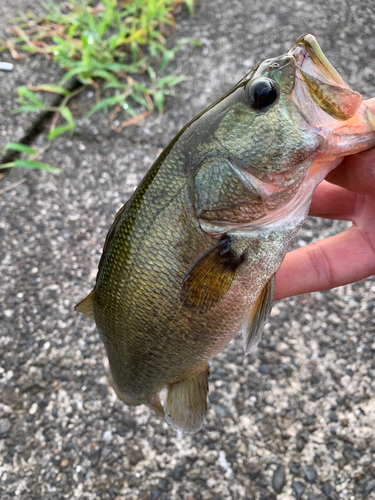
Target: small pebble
(357,477)
(178,472)
(222,411)
(368,487)
(266,495)
(310,473)
(136,456)
(5,427)
(314,496)
(333,417)
(294,467)
(214,397)
(95,456)
(278,478)
(329,491)
(302,440)
(107,436)
(5,66)
(298,489)
(64,463)
(33,409)
(263,369)
(154,494)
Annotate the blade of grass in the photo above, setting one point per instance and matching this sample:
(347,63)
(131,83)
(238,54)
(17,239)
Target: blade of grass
(29,94)
(30,164)
(55,89)
(105,103)
(56,132)
(21,148)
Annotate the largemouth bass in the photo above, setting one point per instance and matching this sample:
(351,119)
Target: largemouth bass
(190,260)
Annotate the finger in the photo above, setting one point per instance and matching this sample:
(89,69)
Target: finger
(335,261)
(370,103)
(356,173)
(332,202)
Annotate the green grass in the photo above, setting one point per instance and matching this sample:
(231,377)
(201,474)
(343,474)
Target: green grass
(107,47)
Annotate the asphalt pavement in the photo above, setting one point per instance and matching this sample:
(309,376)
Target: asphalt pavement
(297,415)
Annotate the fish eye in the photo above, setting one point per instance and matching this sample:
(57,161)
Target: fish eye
(262,92)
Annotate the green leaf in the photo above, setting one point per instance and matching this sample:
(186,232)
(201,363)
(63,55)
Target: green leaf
(190,6)
(129,109)
(36,164)
(169,54)
(67,114)
(158,98)
(26,109)
(171,80)
(71,73)
(140,100)
(29,94)
(55,89)
(151,73)
(115,85)
(115,67)
(196,42)
(141,88)
(105,103)
(30,164)
(17,146)
(105,74)
(60,130)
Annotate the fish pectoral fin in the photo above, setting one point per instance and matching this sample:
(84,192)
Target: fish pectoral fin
(258,317)
(186,402)
(86,306)
(210,277)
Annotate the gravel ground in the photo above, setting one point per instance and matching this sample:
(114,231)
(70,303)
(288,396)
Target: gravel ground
(295,419)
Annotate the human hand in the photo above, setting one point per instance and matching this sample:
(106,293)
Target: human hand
(348,193)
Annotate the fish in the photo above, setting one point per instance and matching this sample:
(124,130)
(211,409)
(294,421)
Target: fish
(190,260)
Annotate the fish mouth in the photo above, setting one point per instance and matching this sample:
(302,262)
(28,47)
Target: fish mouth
(325,86)
(330,106)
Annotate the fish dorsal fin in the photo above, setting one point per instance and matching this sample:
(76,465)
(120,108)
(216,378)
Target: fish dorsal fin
(210,277)
(258,317)
(86,306)
(186,402)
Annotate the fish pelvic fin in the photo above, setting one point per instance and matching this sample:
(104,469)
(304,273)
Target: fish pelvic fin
(86,306)
(186,402)
(258,317)
(157,407)
(210,277)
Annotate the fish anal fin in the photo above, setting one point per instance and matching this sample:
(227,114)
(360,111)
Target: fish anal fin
(186,402)
(86,306)
(258,317)
(210,277)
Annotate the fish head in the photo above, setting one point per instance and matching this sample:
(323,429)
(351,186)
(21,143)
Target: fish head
(291,112)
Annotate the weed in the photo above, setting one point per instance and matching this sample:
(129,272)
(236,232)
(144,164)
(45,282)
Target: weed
(105,46)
